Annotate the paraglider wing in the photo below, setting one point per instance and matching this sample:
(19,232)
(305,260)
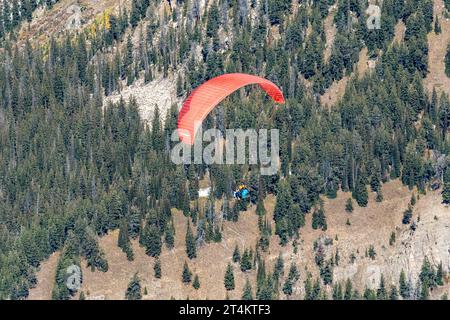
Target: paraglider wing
(208,95)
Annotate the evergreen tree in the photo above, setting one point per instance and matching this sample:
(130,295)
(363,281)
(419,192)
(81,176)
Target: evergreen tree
(196,283)
(348,293)
(440,275)
(403,286)
(247,293)
(229,278)
(319,220)
(187,274)
(349,205)
(437,26)
(236,254)
(191,248)
(151,240)
(246,261)
(170,236)
(447,62)
(337,292)
(393,294)
(382,292)
(157,269)
(134,289)
(446,188)
(124,241)
(291,279)
(360,193)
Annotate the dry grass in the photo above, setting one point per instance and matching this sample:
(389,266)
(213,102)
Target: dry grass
(46,279)
(437,45)
(399,33)
(330,33)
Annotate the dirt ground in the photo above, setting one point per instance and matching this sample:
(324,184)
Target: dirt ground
(399,32)
(437,45)
(46,279)
(330,33)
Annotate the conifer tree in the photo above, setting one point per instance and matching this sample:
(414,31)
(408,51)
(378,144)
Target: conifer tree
(360,193)
(134,289)
(319,220)
(191,248)
(437,26)
(447,62)
(337,292)
(440,275)
(348,293)
(246,261)
(446,188)
(157,269)
(229,278)
(196,283)
(187,274)
(124,241)
(236,254)
(382,292)
(349,205)
(151,240)
(393,293)
(403,285)
(247,293)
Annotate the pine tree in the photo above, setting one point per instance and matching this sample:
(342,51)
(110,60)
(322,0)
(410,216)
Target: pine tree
(381,292)
(135,15)
(186,275)
(392,239)
(437,26)
(349,205)
(403,285)
(247,293)
(337,292)
(407,215)
(279,267)
(151,240)
(124,240)
(393,294)
(157,269)
(134,289)
(319,220)
(246,261)
(191,248)
(440,275)
(236,254)
(229,278)
(196,283)
(360,193)
(348,293)
(446,188)
(447,62)
(370,294)
(291,279)
(170,236)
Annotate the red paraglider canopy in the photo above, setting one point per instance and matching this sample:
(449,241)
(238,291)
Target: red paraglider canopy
(208,95)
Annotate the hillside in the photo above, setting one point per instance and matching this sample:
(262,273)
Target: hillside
(90,93)
(369,226)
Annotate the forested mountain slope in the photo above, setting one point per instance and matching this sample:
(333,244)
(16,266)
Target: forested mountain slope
(80,175)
